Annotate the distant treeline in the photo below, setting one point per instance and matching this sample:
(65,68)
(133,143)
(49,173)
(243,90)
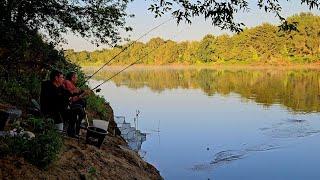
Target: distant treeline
(263,44)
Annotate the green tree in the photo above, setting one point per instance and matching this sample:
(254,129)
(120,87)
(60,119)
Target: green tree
(30,29)
(151,47)
(305,43)
(222,13)
(223,44)
(98,20)
(264,43)
(206,49)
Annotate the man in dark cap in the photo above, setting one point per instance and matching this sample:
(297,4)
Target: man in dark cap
(54,99)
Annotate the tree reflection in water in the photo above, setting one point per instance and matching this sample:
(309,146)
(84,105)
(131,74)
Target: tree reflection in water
(298,89)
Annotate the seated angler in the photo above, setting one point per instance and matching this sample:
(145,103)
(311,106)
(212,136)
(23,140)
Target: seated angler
(78,94)
(54,99)
(78,103)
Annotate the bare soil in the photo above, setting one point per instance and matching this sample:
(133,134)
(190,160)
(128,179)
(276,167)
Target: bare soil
(77,160)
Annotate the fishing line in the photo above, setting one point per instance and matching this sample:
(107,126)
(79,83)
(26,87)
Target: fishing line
(133,42)
(135,62)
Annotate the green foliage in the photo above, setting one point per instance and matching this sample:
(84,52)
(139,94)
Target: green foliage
(27,54)
(95,19)
(96,104)
(206,49)
(30,30)
(12,92)
(37,124)
(44,149)
(306,41)
(92,171)
(40,151)
(263,44)
(20,90)
(222,13)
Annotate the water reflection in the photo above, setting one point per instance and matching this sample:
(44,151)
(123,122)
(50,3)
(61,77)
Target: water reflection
(213,125)
(297,90)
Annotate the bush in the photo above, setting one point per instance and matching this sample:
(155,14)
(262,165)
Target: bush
(96,104)
(20,91)
(12,91)
(36,125)
(44,149)
(40,151)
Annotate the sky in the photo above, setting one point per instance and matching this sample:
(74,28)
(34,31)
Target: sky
(144,21)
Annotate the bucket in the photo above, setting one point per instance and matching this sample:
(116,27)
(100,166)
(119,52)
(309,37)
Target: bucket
(95,136)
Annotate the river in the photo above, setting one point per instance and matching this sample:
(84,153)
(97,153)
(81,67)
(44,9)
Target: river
(222,124)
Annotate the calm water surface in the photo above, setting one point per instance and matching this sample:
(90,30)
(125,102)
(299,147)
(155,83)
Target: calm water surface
(223,124)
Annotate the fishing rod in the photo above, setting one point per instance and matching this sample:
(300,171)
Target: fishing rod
(119,72)
(135,62)
(143,35)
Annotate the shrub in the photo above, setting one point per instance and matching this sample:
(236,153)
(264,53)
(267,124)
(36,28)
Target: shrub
(92,173)
(36,125)
(96,104)
(44,149)
(21,91)
(40,151)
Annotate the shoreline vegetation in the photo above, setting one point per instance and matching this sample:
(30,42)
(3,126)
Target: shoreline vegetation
(87,69)
(263,45)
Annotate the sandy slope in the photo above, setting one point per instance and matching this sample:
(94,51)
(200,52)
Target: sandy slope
(80,161)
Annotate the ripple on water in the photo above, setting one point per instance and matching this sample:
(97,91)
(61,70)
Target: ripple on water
(221,158)
(228,156)
(291,128)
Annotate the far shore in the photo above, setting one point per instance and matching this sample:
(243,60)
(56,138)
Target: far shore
(315,66)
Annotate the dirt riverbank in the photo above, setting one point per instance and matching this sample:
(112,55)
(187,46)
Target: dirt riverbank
(114,160)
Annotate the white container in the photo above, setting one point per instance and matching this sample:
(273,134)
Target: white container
(102,124)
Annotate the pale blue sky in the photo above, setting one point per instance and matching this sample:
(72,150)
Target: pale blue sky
(144,21)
